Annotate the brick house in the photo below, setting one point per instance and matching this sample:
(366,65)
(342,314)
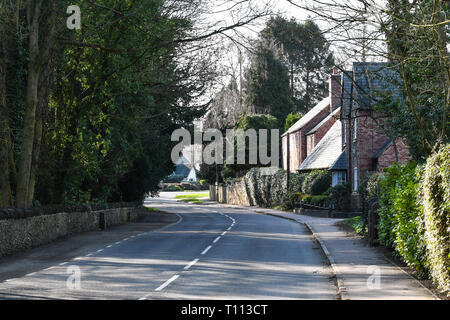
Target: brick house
(368,145)
(300,139)
(349,140)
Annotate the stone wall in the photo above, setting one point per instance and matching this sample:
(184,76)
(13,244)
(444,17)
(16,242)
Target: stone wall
(236,194)
(20,234)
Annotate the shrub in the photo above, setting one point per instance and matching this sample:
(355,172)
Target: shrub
(317,182)
(358,225)
(228,173)
(400,215)
(296,196)
(340,196)
(435,202)
(369,190)
(172,188)
(317,200)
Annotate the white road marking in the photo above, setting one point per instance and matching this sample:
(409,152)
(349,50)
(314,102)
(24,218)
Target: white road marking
(109,246)
(165,284)
(99,250)
(191,264)
(63,263)
(217,239)
(206,250)
(224,233)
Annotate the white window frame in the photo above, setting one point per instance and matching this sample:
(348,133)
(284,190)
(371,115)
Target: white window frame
(339,177)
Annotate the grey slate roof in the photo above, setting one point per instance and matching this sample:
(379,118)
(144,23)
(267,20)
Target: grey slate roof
(382,149)
(327,151)
(372,80)
(325,103)
(341,163)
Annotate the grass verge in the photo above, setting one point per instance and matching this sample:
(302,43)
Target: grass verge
(192,196)
(357,225)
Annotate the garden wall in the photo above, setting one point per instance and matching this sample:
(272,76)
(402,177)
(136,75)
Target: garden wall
(21,234)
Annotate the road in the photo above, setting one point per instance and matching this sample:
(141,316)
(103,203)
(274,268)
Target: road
(208,253)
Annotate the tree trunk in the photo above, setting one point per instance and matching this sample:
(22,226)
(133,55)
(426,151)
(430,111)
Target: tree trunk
(5,140)
(26,154)
(41,116)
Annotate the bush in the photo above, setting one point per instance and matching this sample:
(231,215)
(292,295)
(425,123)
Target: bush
(172,188)
(317,200)
(358,225)
(227,173)
(340,196)
(295,197)
(400,215)
(435,207)
(317,182)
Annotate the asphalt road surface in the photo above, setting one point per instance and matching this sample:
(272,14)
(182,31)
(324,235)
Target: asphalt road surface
(208,253)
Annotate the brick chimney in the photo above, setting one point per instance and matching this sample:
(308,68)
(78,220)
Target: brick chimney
(335,87)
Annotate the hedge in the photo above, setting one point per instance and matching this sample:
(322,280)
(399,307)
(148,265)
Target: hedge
(415,215)
(400,215)
(435,209)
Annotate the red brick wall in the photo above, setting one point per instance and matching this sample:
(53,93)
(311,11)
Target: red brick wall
(370,139)
(298,143)
(388,156)
(335,91)
(322,131)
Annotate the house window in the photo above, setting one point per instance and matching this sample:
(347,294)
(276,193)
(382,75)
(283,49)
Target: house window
(355,179)
(339,177)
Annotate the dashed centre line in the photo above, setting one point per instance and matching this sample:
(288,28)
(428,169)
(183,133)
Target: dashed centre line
(165,284)
(191,264)
(206,250)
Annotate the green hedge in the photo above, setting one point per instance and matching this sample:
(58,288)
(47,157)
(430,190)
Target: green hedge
(415,215)
(435,209)
(317,182)
(400,215)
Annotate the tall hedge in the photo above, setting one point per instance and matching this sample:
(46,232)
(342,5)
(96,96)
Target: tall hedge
(399,225)
(435,205)
(415,215)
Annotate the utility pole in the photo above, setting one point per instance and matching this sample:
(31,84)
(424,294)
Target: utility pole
(288,160)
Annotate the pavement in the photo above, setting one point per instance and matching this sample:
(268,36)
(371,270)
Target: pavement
(203,252)
(363,273)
